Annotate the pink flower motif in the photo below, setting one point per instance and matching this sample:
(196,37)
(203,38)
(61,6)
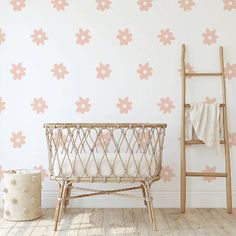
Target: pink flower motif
(232,139)
(188,69)
(39,105)
(103,5)
(103,71)
(166,105)
(59,71)
(229,5)
(17,139)
(2,37)
(18,5)
(103,140)
(59,4)
(145,71)
(43,172)
(2,105)
(209,170)
(83,37)
(145,5)
(210,100)
(83,105)
(209,37)
(230,71)
(166,36)
(18,71)
(124,36)
(167,174)
(39,36)
(186,4)
(125,105)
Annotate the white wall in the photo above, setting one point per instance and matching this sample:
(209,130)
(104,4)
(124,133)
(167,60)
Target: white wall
(81,61)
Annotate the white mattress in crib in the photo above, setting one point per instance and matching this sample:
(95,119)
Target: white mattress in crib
(148,166)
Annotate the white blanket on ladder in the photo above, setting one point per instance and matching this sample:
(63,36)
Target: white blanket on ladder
(205,120)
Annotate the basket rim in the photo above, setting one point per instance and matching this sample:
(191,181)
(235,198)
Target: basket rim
(104,125)
(21,172)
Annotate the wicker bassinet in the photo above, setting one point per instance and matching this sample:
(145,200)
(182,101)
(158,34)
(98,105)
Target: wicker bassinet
(89,152)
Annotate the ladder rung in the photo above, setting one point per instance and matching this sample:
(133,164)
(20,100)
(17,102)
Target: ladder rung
(190,142)
(202,174)
(203,74)
(188,105)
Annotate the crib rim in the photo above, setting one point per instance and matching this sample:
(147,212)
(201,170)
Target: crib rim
(94,179)
(104,125)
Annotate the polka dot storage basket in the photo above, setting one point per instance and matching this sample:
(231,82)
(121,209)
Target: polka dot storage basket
(22,195)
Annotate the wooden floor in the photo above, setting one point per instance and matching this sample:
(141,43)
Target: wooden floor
(128,222)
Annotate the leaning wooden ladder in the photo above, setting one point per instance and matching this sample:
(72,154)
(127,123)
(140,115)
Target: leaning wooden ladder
(184,142)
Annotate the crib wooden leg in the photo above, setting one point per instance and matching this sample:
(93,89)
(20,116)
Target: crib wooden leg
(68,193)
(57,206)
(56,212)
(149,204)
(144,196)
(61,202)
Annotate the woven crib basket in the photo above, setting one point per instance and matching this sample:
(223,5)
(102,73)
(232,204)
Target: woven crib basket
(105,152)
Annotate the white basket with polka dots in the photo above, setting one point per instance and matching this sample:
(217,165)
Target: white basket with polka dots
(22,195)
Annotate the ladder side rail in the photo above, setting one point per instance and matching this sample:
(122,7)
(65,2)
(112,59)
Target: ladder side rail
(226,135)
(182,141)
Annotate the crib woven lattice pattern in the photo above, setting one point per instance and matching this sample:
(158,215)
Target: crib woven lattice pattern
(105,150)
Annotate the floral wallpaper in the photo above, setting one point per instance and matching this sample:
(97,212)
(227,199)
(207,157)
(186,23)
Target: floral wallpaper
(111,61)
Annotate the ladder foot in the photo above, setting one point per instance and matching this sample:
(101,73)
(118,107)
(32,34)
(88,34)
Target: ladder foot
(229,211)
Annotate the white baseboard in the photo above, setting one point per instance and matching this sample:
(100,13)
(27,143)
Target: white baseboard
(164,198)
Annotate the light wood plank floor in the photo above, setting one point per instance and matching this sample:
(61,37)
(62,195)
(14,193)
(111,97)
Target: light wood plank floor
(135,222)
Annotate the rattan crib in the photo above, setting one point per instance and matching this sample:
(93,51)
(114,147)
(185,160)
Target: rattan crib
(97,152)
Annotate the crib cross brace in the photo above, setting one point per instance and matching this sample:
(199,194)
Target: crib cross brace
(108,192)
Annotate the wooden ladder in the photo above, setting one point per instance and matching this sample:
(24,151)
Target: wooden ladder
(184,142)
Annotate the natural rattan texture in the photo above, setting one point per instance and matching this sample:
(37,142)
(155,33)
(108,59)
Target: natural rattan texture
(80,145)
(104,152)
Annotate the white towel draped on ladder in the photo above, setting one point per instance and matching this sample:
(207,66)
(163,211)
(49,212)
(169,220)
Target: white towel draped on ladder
(205,120)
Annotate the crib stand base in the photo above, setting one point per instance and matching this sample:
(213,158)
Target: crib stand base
(66,186)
